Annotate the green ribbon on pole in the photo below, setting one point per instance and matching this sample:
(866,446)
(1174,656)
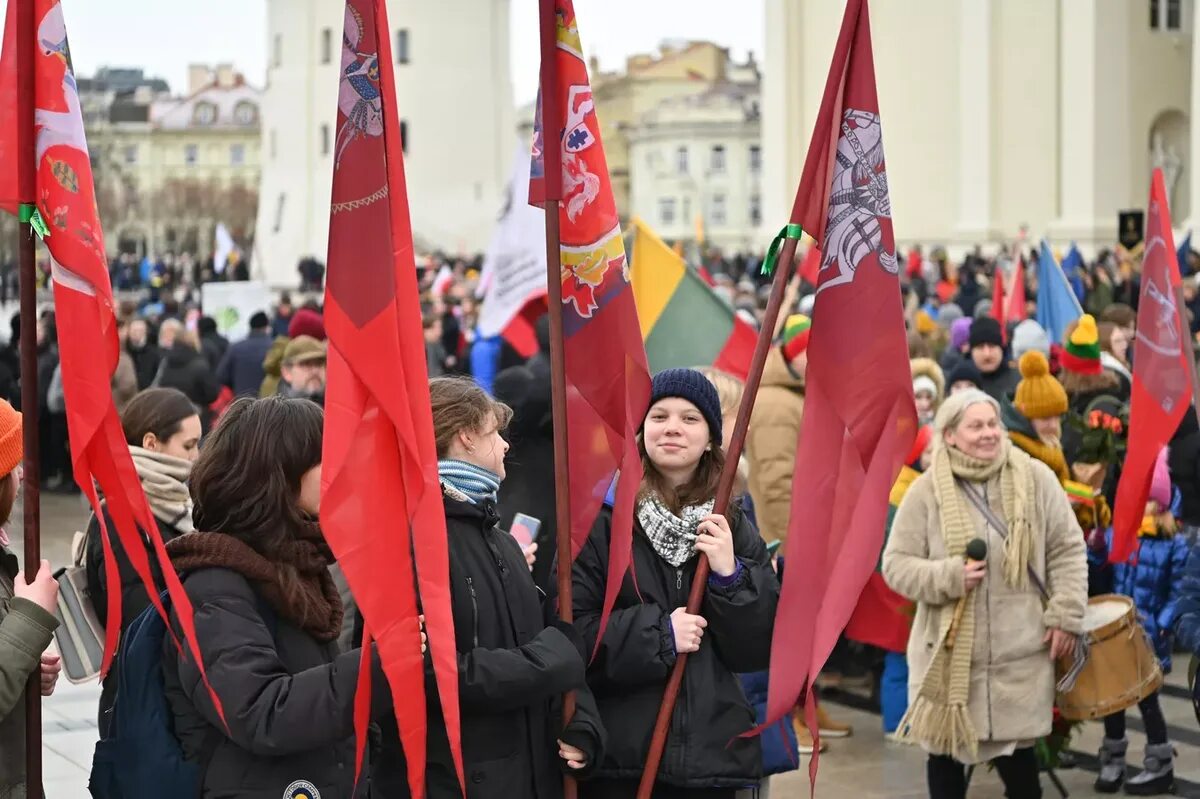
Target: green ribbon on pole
(789,231)
(27,213)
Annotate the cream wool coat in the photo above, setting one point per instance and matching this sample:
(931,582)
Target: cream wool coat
(1012,677)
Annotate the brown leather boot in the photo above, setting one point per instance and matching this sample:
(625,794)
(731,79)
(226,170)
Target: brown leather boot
(830,728)
(804,739)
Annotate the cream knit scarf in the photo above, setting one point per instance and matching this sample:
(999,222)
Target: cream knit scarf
(164,480)
(938,717)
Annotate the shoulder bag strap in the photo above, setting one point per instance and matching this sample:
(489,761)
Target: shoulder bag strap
(998,524)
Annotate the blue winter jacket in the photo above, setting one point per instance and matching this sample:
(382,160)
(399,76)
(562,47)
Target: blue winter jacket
(1154,579)
(779,747)
(1187,610)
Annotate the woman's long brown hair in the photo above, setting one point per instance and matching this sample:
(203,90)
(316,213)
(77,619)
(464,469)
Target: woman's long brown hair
(701,488)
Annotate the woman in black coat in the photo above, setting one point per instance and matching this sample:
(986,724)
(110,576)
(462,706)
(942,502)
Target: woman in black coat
(162,430)
(267,616)
(649,625)
(515,660)
(185,368)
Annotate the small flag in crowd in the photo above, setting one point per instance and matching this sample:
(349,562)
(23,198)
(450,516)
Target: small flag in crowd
(1016,292)
(1057,305)
(670,299)
(859,417)
(608,381)
(1162,373)
(56,195)
(381,504)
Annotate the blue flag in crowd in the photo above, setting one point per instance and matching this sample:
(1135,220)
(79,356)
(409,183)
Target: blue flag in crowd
(1057,305)
(1182,254)
(1071,266)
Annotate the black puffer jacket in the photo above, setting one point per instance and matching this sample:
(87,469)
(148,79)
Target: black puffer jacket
(513,666)
(629,673)
(288,698)
(186,369)
(1183,458)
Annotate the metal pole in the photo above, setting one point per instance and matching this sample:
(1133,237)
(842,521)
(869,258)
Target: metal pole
(27,178)
(552,157)
(724,489)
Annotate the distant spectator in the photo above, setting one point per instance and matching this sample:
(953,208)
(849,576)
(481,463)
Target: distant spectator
(307,322)
(242,367)
(184,368)
(146,356)
(283,315)
(302,372)
(435,355)
(212,344)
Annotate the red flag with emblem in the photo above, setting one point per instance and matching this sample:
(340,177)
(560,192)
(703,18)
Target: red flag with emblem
(608,381)
(1016,294)
(381,504)
(59,186)
(1162,373)
(999,310)
(859,418)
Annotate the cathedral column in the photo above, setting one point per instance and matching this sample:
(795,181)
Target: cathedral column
(1192,160)
(784,139)
(976,123)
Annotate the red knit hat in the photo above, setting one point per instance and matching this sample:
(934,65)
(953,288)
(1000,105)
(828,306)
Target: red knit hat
(12,448)
(307,322)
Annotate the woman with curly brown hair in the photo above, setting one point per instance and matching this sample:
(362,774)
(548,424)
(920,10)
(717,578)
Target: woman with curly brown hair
(267,614)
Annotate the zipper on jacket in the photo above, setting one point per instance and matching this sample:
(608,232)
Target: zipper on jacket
(474,613)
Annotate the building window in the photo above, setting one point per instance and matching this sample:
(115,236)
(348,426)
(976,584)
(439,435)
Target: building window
(755,209)
(326,45)
(402,46)
(324,140)
(277,50)
(681,160)
(279,213)
(205,114)
(245,113)
(755,158)
(237,154)
(717,212)
(666,210)
(404,137)
(717,160)
(131,153)
(191,153)
(1166,15)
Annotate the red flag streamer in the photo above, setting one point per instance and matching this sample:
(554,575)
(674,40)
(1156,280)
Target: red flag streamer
(381,508)
(1162,373)
(999,310)
(859,418)
(608,381)
(1016,294)
(64,212)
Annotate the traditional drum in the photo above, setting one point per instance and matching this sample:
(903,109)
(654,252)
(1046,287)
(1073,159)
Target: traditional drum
(1121,668)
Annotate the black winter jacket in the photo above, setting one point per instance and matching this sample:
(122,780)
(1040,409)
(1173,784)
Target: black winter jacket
(514,663)
(186,369)
(630,671)
(288,698)
(1183,458)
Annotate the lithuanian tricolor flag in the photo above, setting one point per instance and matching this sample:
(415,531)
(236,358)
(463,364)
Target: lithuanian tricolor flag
(684,322)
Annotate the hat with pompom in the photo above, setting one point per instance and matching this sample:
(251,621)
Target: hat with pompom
(1081,354)
(1039,395)
(795,335)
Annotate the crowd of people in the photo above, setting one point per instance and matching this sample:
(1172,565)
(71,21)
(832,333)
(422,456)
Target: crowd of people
(1019,446)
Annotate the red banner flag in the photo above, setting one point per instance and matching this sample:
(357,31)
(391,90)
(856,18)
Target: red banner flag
(608,381)
(381,505)
(63,199)
(1016,294)
(859,418)
(999,310)
(1162,373)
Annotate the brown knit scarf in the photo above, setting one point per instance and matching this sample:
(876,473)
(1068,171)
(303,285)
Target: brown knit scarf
(311,603)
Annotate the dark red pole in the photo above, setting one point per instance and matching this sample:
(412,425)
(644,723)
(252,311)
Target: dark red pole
(27,179)
(552,157)
(662,724)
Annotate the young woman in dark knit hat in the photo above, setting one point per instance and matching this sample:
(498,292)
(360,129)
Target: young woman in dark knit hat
(680,445)
(267,614)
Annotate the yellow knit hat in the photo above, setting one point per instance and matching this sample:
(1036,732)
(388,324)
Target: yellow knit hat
(1039,394)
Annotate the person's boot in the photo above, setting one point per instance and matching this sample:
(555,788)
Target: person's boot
(1158,772)
(1112,765)
(830,728)
(804,739)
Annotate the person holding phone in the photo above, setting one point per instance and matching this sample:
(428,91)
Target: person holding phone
(515,658)
(27,620)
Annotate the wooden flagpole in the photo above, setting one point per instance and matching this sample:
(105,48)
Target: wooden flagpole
(27,180)
(662,724)
(552,159)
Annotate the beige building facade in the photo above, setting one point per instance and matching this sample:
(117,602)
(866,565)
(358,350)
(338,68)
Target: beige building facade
(999,114)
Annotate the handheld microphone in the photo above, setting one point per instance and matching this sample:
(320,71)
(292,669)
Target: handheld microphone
(977,551)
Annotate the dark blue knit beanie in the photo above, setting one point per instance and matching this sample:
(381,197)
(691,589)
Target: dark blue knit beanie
(694,387)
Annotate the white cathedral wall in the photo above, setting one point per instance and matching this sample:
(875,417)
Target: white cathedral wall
(454,96)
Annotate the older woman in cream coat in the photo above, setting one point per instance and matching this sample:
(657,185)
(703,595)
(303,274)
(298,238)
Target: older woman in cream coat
(987,692)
